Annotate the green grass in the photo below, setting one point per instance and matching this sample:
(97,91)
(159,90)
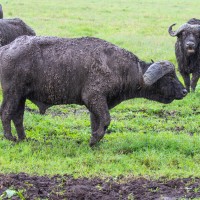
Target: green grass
(146,138)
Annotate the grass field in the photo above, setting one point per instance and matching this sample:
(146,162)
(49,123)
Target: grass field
(146,138)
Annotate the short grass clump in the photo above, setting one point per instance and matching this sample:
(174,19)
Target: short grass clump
(145,138)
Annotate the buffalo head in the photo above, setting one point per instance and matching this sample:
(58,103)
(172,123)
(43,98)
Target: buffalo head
(162,84)
(189,35)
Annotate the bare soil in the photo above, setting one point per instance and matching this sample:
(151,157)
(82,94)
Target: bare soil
(66,187)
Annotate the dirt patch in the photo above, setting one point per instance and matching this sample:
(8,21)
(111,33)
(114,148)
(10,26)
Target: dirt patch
(66,187)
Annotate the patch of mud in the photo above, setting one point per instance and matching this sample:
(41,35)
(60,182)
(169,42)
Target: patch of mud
(66,187)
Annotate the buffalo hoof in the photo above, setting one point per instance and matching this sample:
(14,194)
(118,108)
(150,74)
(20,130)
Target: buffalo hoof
(10,137)
(21,138)
(94,139)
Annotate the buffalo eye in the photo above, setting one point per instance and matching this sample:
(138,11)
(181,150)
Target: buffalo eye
(183,34)
(197,35)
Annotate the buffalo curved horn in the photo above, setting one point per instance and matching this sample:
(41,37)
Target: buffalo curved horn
(185,26)
(156,71)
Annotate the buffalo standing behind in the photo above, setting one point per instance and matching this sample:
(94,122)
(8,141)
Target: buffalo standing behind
(187,50)
(10,29)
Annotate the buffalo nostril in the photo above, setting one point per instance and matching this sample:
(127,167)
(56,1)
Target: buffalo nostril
(184,92)
(190,44)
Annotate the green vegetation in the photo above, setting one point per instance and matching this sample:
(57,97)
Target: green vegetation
(147,138)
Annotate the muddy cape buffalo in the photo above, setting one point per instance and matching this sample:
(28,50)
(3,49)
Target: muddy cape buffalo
(10,29)
(187,50)
(85,71)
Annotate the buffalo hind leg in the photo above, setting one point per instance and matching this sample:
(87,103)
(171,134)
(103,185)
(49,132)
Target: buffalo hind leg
(195,78)
(18,120)
(7,109)
(100,117)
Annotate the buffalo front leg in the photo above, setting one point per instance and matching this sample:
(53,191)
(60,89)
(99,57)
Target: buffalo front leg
(94,122)
(18,120)
(100,117)
(195,78)
(186,78)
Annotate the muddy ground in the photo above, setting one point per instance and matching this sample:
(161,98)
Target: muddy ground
(66,187)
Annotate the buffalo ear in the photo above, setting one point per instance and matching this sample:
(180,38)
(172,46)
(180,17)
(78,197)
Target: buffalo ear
(156,71)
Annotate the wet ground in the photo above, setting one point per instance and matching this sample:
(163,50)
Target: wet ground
(66,187)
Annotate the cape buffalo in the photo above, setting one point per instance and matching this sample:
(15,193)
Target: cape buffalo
(85,71)
(10,29)
(187,50)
